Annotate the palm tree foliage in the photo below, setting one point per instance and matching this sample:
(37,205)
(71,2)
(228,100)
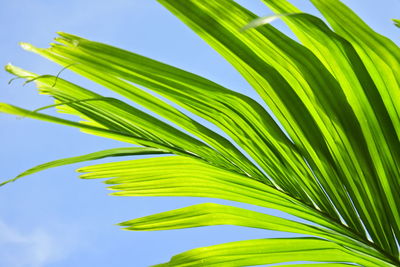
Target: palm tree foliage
(333,161)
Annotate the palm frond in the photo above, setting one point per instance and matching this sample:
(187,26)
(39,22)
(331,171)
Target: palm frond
(332,160)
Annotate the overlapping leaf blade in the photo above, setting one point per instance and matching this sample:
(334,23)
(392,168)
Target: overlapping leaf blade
(343,62)
(266,251)
(288,77)
(214,214)
(91,66)
(381,58)
(180,176)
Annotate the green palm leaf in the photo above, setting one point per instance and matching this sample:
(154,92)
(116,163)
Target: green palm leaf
(332,160)
(396,22)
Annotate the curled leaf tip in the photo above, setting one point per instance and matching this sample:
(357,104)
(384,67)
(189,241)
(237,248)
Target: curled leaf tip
(13,79)
(265,20)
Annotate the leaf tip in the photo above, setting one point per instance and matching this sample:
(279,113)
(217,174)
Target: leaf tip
(4,107)
(8,181)
(4,183)
(396,22)
(80,170)
(10,68)
(26,46)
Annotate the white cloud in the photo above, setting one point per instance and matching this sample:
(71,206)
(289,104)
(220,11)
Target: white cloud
(36,248)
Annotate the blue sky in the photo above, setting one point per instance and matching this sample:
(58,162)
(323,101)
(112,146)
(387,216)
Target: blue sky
(55,219)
